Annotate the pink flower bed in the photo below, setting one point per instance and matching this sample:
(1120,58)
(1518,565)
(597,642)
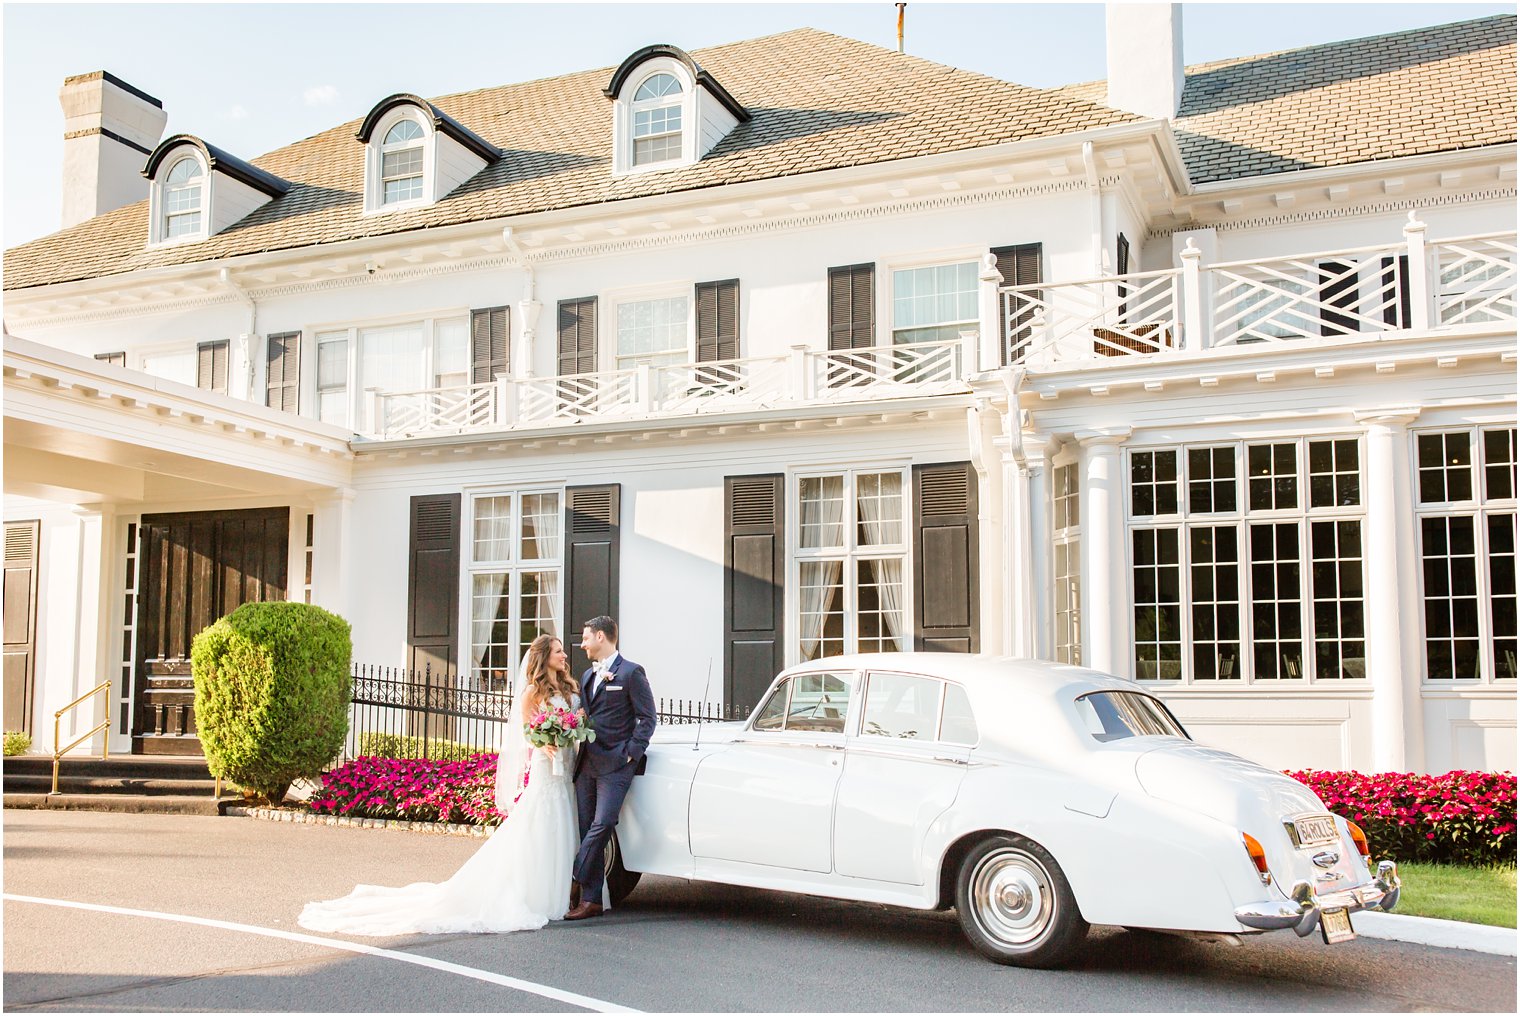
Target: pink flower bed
(1458,818)
(418,790)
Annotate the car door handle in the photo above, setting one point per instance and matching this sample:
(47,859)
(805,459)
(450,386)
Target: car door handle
(830,747)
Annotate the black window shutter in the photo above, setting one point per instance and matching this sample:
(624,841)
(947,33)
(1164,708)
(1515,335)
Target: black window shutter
(852,307)
(1020,265)
(577,336)
(753,563)
(591,562)
(1121,267)
(946,576)
(432,600)
(1395,281)
(1337,288)
(490,331)
(211,366)
(283,372)
(718,320)
(115,359)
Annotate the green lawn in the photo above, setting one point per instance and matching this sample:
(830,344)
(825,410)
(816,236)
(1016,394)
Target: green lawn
(1478,895)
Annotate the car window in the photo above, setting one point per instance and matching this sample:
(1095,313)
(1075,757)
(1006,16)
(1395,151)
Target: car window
(773,714)
(958,725)
(818,703)
(1114,715)
(901,707)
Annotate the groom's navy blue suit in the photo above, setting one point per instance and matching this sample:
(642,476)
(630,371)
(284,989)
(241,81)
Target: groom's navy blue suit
(622,713)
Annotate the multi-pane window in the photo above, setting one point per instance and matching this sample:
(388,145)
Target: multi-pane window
(851,560)
(1066,522)
(514,580)
(405,357)
(1247,561)
(657,120)
(934,303)
(182,199)
(654,332)
(332,377)
(401,158)
(1466,506)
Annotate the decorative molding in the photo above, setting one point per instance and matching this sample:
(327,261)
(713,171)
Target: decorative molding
(1322,214)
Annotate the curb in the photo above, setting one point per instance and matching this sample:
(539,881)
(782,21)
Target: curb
(1433,931)
(401,825)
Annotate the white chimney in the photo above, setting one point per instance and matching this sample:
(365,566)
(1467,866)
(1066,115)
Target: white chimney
(109,130)
(1145,58)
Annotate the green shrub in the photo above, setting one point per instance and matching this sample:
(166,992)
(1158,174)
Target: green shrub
(404,746)
(271,694)
(17,742)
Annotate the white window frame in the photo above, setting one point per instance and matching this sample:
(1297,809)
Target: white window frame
(615,299)
(675,101)
(1067,600)
(1301,514)
(158,199)
(850,554)
(624,108)
(514,564)
(374,189)
(1480,507)
(886,294)
(358,400)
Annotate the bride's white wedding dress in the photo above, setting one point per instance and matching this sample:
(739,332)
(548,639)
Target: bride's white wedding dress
(518,880)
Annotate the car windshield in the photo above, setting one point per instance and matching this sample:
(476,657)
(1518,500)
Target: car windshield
(1115,715)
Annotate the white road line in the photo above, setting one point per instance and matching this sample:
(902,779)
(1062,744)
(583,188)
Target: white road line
(541,990)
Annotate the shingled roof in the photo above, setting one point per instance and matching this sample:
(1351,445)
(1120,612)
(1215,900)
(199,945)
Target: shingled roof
(1407,93)
(818,101)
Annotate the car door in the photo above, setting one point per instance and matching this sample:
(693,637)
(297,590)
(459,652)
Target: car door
(902,771)
(769,797)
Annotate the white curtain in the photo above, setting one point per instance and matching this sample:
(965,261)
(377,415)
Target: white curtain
(889,588)
(823,512)
(492,601)
(820,581)
(879,502)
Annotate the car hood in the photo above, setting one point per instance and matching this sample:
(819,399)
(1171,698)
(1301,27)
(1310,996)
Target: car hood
(1225,786)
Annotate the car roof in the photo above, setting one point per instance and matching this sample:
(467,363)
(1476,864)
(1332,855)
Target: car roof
(978,671)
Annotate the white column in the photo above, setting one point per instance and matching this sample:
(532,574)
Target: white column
(1035,621)
(91,618)
(331,547)
(1393,603)
(983,425)
(1104,629)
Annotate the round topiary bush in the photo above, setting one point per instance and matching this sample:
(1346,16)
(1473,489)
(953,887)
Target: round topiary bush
(271,694)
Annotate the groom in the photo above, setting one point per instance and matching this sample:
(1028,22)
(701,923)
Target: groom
(621,708)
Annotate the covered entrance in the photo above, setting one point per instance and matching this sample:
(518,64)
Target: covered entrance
(197,567)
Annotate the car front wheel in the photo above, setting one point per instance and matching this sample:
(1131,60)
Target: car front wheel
(1015,905)
(619,880)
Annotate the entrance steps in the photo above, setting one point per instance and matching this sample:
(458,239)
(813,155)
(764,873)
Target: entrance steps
(146,784)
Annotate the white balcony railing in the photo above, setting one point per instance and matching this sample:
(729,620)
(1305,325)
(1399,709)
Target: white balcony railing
(1412,286)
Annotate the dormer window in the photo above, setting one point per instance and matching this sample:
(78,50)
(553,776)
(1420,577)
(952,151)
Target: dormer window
(657,120)
(667,112)
(416,154)
(183,189)
(401,161)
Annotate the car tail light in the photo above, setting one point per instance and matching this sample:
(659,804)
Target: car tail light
(1258,857)
(1360,839)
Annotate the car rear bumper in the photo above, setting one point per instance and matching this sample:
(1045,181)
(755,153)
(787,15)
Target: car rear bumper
(1301,911)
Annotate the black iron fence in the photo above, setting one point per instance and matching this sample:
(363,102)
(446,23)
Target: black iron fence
(401,713)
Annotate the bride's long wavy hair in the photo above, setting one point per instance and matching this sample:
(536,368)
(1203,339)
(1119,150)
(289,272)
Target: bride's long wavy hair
(545,681)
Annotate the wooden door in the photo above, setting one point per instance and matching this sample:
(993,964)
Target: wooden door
(196,567)
(21,539)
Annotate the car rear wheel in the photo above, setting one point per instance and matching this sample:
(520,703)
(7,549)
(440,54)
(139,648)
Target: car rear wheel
(1015,905)
(619,880)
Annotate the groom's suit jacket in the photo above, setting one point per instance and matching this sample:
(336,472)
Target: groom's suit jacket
(622,713)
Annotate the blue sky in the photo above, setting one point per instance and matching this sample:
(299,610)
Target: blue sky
(253,77)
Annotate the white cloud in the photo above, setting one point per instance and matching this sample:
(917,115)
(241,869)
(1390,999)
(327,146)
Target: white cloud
(321,95)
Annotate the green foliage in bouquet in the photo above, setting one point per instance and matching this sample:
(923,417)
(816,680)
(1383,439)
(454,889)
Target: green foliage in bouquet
(271,694)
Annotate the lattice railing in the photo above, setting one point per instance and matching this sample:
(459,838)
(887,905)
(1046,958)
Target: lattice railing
(720,386)
(437,409)
(880,371)
(577,396)
(1337,293)
(1118,316)
(1475,280)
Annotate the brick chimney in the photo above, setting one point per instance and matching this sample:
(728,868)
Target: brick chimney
(109,130)
(1145,58)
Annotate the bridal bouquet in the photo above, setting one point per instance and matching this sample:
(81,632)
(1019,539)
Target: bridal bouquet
(559,728)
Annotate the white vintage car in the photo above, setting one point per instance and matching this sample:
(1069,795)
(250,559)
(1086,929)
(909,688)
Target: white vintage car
(1035,798)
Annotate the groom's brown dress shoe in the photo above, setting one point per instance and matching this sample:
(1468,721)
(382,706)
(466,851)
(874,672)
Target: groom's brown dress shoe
(575,894)
(584,911)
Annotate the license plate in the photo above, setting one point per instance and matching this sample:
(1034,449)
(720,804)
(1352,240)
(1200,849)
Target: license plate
(1335,925)
(1315,829)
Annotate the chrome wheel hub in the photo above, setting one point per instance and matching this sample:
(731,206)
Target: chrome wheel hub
(1011,897)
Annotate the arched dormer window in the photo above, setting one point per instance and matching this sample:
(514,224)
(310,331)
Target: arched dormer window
(401,163)
(183,207)
(415,153)
(657,120)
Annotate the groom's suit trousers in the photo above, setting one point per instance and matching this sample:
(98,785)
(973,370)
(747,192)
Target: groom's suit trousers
(598,799)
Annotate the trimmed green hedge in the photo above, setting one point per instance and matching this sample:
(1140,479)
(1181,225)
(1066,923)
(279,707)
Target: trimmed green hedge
(271,694)
(17,742)
(404,746)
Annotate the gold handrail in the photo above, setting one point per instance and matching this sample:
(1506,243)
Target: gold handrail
(105,750)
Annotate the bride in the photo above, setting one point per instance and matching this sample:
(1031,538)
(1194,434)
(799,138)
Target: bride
(520,877)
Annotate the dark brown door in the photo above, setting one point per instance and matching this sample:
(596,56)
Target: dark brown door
(21,540)
(197,567)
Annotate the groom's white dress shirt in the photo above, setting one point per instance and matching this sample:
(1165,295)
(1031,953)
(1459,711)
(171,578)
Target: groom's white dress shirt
(599,671)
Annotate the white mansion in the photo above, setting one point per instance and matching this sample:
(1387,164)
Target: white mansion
(796,347)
